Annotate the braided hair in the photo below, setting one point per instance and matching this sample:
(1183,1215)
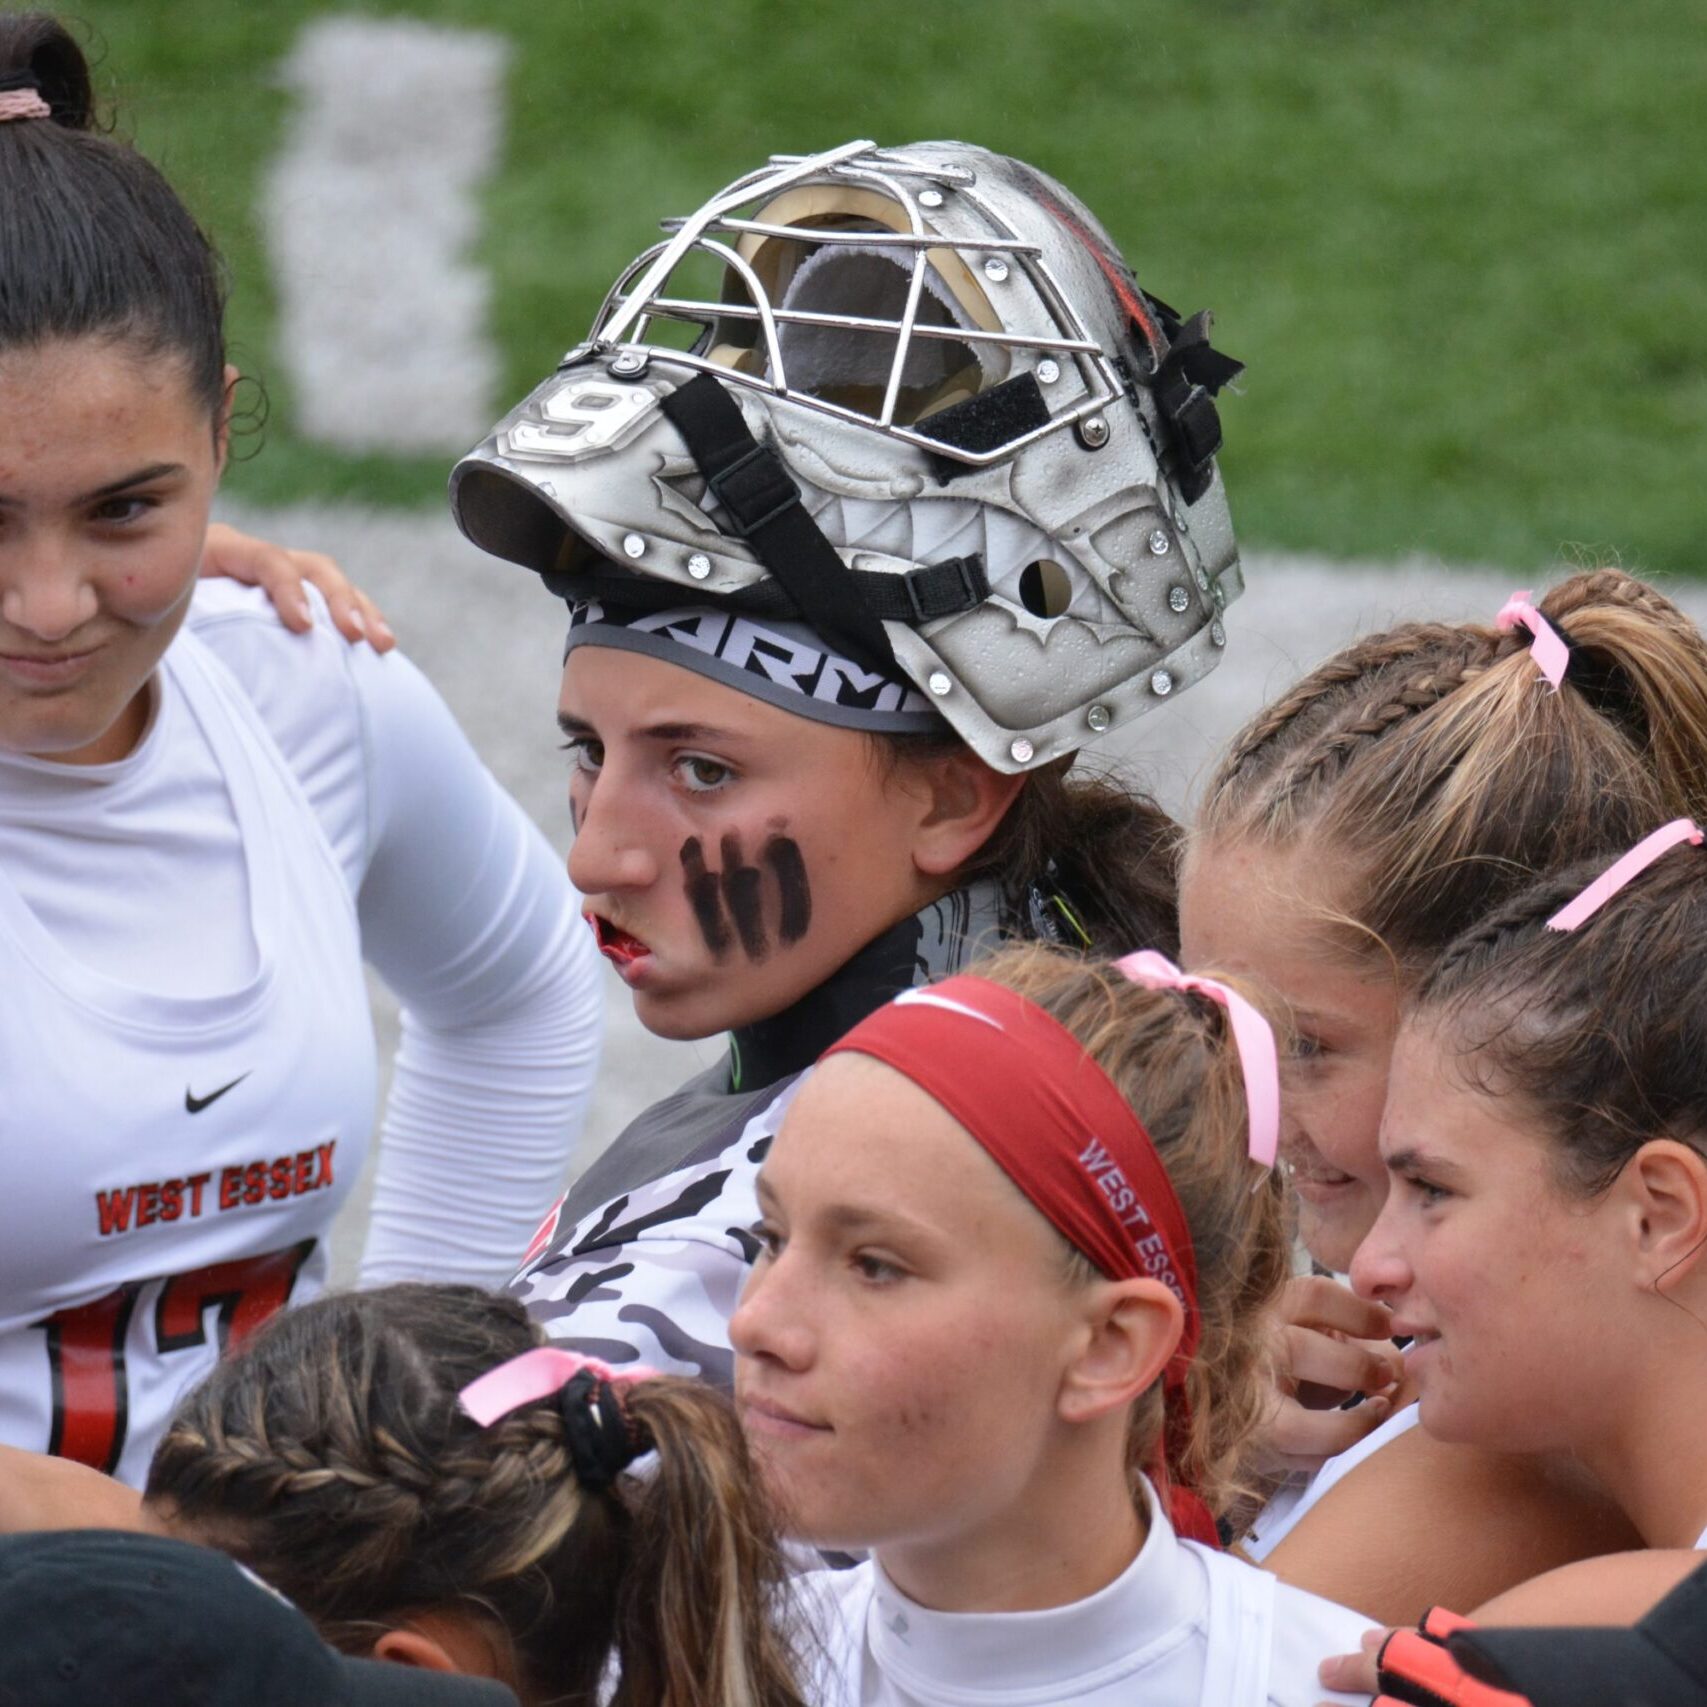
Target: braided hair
(330,1454)
(1432,772)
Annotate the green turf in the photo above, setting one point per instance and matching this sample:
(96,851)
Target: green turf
(1460,244)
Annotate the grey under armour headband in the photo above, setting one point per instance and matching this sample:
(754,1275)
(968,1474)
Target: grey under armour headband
(786,664)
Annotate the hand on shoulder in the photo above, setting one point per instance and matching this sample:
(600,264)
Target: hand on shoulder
(282,574)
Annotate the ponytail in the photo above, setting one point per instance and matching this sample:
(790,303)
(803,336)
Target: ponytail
(1086,861)
(94,243)
(332,1456)
(697,1623)
(1433,771)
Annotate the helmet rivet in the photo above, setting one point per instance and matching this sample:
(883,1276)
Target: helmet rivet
(995,269)
(633,545)
(1159,542)
(1093,432)
(939,684)
(1217,633)
(1098,718)
(930,198)
(1048,371)
(699,565)
(1022,750)
(630,362)
(1178,600)
(1161,684)
(1202,581)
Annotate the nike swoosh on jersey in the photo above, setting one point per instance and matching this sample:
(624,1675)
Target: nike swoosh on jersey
(194,1104)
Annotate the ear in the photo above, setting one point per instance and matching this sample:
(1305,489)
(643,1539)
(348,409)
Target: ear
(413,1648)
(964,801)
(222,426)
(1666,1184)
(439,1639)
(1133,1327)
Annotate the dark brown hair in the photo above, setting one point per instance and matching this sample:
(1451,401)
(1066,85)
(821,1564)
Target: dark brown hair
(1600,1031)
(1172,1056)
(1095,846)
(1434,772)
(331,1456)
(93,241)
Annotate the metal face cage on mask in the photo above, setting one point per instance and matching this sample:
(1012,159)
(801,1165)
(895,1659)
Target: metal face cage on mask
(913,398)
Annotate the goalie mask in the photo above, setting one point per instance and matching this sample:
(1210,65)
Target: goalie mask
(886,436)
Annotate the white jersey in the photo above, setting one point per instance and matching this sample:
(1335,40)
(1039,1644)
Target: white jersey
(1182,1626)
(1288,1506)
(186,1055)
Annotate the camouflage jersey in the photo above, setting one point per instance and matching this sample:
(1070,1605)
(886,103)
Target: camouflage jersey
(644,1259)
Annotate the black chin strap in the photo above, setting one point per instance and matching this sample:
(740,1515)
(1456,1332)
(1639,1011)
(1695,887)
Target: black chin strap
(756,492)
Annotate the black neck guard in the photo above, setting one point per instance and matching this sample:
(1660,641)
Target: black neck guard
(938,940)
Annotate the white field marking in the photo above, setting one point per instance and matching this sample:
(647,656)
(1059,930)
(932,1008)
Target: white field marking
(371,213)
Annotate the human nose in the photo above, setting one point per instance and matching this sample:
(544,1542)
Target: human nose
(611,851)
(770,1322)
(1380,1270)
(42,590)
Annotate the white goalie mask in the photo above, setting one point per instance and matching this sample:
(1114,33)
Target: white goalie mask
(912,399)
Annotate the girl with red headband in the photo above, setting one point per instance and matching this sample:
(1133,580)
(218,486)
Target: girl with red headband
(1006,1333)
(1370,814)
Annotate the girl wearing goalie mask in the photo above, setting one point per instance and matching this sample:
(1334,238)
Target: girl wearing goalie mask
(878,490)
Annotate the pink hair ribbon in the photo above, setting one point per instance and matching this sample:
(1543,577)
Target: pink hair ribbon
(1546,645)
(1252,1036)
(23,104)
(536,1374)
(1616,875)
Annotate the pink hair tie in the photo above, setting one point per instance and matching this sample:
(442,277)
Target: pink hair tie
(536,1374)
(1616,875)
(1251,1035)
(23,104)
(1546,645)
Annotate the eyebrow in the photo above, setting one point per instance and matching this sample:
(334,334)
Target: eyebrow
(1415,1160)
(849,1217)
(142,477)
(653,731)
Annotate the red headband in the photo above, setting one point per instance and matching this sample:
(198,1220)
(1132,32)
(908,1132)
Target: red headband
(1024,1087)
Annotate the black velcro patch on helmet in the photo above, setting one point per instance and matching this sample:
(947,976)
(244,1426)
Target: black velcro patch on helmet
(1184,386)
(988,421)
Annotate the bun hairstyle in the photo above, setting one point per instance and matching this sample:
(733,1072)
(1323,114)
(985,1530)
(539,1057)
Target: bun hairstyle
(1600,1030)
(1436,772)
(94,243)
(331,1455)
(1173,1057)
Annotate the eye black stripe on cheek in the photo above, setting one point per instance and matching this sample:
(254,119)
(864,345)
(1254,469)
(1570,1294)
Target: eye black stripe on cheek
(782,855)
(705,897)
(742,888)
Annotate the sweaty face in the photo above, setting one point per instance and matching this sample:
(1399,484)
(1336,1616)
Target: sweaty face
(1508,1282)
(732,855)
(108,465)
(902,1340)
(1263,911)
